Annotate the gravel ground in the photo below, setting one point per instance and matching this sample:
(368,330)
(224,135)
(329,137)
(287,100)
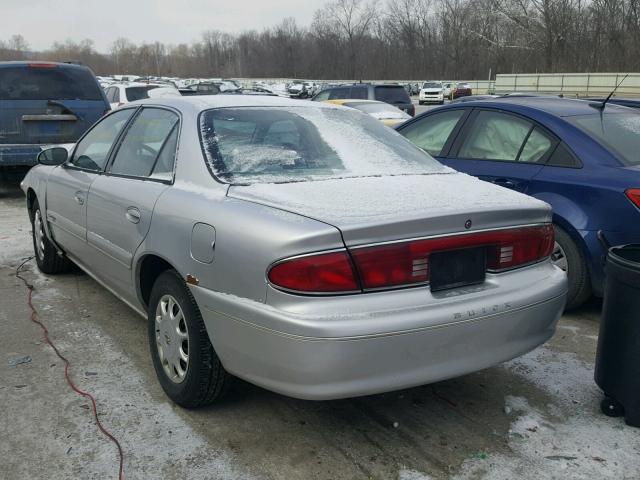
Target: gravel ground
(534,417)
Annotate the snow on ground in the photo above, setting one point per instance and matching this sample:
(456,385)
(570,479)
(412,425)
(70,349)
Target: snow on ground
(567,438)
(15,235)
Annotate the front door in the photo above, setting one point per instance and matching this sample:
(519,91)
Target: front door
(121,202)
(69,184)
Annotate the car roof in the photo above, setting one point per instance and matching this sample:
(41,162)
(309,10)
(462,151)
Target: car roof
(221,100)
(27,63)
(560,107)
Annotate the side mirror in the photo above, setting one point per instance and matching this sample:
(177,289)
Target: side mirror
(53,156)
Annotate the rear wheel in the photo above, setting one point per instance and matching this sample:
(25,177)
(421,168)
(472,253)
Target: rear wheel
(567,256)
(46,255)
(186,364)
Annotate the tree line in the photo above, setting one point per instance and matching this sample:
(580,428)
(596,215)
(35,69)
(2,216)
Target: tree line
(399,39)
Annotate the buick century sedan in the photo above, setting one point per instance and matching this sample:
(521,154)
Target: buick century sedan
(301,246)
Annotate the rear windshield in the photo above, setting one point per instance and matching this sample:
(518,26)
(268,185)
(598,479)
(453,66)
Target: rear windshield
(392,94)
(288,144)
(619,132)
(432,85)
(139,93)
(48,83)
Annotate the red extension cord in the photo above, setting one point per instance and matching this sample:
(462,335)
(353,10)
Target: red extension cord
(67,365)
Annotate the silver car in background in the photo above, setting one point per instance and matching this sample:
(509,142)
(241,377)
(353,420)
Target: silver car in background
(303,247)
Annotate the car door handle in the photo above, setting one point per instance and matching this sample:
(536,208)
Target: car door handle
(503,182)
(79,198)
(133,215)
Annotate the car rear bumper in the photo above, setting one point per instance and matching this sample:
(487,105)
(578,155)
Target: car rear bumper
(347,355)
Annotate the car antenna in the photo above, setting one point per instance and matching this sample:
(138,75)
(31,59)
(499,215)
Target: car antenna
(600,106)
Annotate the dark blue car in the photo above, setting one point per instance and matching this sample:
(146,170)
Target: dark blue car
(44,104)
(581,159)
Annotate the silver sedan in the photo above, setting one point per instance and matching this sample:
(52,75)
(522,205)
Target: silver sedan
(303,247)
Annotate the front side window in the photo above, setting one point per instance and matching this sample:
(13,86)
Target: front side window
(145,142)
(495,136)
(432,132)
(287,144)
(92,151)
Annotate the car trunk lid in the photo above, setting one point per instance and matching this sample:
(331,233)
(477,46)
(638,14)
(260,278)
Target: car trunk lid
(378,209)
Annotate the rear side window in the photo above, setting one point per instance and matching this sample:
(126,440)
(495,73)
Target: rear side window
(495,136)
(48,83)
(92,151)
(392,94)
(338,93)
(361,93)
(139,93)
(144,143)
(431,133)
(562,157)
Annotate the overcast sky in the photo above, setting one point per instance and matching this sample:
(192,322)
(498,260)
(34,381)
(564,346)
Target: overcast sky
(41,22)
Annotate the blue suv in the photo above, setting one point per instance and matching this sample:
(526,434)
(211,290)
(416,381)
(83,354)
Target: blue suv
(44,104)
(581,157)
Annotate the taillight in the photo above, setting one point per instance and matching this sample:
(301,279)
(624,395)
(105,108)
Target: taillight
(633,194)
(43,65)
(321,273)
(406,263)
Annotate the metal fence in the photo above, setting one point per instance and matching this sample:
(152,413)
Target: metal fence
(570,84)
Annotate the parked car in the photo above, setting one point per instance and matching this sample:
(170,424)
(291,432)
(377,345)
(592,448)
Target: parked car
(581,160)
(44,104)
(387,114)
(461,90)
(201,88)
(431,92)
(303,247)
(448,88)
(122,93)
(393,94)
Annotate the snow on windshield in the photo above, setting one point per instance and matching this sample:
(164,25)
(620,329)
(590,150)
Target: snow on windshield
(380,110)
(285,144)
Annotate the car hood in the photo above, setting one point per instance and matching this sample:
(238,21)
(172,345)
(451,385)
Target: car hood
(373,209)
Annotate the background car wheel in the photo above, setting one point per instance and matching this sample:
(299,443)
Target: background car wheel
(569,258)
(47,257)
(611,407)
(187,367)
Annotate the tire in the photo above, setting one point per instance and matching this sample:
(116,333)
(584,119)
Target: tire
(201,379)
(47,257)
(420,102)
(611,407)
(576,267)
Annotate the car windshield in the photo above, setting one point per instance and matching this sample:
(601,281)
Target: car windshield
(289,144)
(139,93)
(432,85)
(379,110)
(48,83)
(619,132)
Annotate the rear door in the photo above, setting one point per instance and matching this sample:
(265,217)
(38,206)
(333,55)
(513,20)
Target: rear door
(436,132)
(501,148)
(121,202)
(68,185)
(47,103)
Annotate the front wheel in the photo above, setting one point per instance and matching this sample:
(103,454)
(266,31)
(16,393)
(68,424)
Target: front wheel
(568,257)
(186,364)
(47,257)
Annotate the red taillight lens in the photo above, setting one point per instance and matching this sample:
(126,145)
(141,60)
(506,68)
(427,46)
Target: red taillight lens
(43,65)
(406,263)
(634,195)
(322,273)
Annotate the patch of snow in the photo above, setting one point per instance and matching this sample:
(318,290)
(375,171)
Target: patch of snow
(406,474)
(569,438)
(351,201)
(15,236)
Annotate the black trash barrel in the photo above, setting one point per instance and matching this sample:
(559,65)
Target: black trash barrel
(618,358)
